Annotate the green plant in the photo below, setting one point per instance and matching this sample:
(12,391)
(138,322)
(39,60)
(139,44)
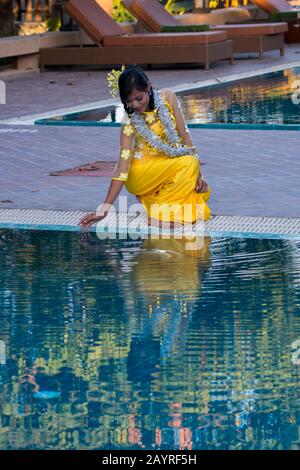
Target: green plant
(284,16)
(184,28)
(53,24)
(120,13)
(179,7)
(213,4)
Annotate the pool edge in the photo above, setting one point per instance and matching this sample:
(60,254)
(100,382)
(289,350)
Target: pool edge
(217,226)
(31,118)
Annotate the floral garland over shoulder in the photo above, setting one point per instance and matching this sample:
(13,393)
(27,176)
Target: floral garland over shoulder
(172,145)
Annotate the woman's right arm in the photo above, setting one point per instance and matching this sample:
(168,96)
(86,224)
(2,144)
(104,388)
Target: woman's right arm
(120,176)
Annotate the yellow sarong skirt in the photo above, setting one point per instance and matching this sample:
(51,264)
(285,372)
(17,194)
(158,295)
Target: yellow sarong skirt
(166,188)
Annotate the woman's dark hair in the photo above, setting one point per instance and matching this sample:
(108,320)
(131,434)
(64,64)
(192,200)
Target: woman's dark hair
(133,78)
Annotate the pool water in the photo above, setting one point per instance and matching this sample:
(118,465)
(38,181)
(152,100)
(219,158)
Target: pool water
(270,100)
(110,344)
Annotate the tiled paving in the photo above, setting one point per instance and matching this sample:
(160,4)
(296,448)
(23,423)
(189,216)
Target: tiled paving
(251,172)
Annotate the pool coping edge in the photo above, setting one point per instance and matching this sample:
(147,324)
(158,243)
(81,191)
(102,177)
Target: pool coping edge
(217,226)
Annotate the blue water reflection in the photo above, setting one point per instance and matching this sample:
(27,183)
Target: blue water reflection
(271,99)
(145,344)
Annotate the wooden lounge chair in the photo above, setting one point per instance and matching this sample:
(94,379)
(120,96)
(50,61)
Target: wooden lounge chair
(114,46)
(273,6)
(246,37)
(283,11)
(155,15)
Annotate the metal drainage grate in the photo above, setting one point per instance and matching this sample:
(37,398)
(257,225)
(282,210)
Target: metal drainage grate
(97,168)
(233,226)
(267,225)
(39,217)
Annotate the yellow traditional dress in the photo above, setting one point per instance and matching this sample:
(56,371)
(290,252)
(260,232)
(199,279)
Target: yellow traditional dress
(164,185)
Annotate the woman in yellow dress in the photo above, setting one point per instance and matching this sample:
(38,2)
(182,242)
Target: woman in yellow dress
(158,162)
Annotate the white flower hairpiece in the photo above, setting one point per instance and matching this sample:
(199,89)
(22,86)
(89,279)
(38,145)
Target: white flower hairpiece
(113,81)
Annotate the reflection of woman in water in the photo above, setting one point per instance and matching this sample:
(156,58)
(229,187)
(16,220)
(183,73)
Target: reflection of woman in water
(160,283)
(166,282)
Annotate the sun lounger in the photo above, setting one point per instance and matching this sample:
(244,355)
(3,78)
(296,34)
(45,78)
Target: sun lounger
(114,46)
(155,14)
(280,10)
(259,37)
(273,6)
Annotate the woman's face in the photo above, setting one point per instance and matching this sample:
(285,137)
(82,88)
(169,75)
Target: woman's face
(139,100)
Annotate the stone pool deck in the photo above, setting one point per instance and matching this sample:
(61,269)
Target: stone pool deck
(251,172)
(34,93)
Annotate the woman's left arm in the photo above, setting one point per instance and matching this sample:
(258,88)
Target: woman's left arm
(184,133)
(181,125)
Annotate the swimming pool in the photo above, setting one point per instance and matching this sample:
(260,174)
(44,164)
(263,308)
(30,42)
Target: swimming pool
(140,344)
(269,101)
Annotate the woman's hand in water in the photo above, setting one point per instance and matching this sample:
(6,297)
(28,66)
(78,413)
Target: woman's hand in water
(201,186)
(90,219)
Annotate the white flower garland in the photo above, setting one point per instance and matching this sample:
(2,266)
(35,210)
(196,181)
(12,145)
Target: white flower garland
(172,145)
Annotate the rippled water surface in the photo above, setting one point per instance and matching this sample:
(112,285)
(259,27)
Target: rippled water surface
(146,344)
(266,99)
